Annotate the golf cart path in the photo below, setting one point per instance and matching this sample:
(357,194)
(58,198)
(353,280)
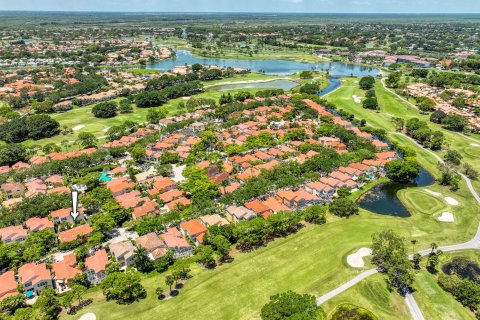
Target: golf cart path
(409,299)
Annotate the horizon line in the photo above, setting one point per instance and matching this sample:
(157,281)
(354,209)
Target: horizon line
(241,12)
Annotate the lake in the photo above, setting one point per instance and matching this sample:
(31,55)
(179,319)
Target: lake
(270,67)
(284,84)
(382,199)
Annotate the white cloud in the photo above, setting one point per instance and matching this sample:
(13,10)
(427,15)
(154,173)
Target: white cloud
(297,1)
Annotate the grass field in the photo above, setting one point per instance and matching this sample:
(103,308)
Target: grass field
(372,294)
(436,303)
(391,106)
(239,289)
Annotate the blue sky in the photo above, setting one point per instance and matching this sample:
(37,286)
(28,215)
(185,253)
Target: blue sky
(311,6)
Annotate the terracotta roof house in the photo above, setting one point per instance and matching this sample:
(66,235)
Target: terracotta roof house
(10,203)
(387,155)
(259,208)
(61,189)
(194,229)
(95,266)
(13,234)
(34,277)
(334,183)
(80,232)
(13,189)
(300,198)
(63,272)
(38,224)
(154,245)
(176,242)
(178,203)
(340,176)
(236,214)
(61,215)
(213,220)
(320,189)
(20,165)
(165,184)
(149,206)
(55,180)
(275,205)
(121,188)
(123,252)
(9,285)
(171,195)
(230,188)
(350,171)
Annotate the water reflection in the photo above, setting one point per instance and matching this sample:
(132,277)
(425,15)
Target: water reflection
(382,199)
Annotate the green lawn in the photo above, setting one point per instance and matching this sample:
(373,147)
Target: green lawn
(312,261)
(436,303)
(372,294)
(392,106)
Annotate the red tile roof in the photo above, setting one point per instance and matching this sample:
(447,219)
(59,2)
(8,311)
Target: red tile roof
(75,233)
(97,262)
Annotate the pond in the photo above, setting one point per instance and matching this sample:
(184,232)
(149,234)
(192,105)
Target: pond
(333,83)
(284,84)
(271,67)
(382,199)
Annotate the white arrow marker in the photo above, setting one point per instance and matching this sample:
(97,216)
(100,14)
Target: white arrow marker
(74,212)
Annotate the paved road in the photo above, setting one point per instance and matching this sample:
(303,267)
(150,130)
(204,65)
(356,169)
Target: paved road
(345,286)
(413,307)
(409,299)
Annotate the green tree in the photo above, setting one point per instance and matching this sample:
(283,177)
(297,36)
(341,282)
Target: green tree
(367,82)
(87,140)
(291,305)
(142,261)
(222,246)
(454,122)
(123,287)
(402,170)
(125,106)
(310,88)
(453,157)
(343,207)
(393,80)
(105,110)
(315,214)
(389,253)
(47,306)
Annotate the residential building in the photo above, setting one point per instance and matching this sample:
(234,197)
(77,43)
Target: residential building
(13,234)
(95,266)
(176,242)
(34,277)
(153,244)
(123,252)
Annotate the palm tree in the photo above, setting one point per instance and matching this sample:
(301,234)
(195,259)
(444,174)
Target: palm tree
(169,281)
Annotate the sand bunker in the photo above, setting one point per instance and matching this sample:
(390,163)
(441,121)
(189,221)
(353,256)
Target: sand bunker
(355,260)
(451,201)
(356,98)
(88,316)
(446,217)
(475,144)
(105,130)
(433,193)
(76,128)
